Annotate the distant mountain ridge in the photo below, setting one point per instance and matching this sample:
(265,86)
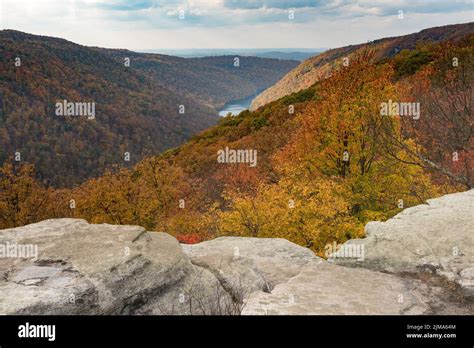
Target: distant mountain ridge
(299,54)
(156,103)
(320,66)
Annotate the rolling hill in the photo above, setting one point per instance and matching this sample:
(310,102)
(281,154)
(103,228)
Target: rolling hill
(155,103)
(321,66)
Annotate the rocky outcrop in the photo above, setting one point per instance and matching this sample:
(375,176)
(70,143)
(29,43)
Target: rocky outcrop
(327,289)
(435,238)
(275,276)
(245,265)
(82,268)
(419,262)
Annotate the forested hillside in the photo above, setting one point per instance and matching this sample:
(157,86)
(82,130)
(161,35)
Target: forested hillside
(153,103)
(212,81)
(322,65)
(329,159)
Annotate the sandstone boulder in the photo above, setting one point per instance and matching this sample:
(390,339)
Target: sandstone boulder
(325,289)
(275,276)
(419,262)
(244,265)
(83,268)
(436,238)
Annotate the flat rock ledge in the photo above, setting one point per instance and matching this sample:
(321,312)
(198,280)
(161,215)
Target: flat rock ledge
(419,262)
(436,238)
(81,268)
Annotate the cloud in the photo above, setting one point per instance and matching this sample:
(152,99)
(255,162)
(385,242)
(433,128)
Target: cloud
(214,13)
(279,4)
(346,7)
(123,5)
(227,23)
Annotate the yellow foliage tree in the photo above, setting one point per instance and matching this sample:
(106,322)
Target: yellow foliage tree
(144,195)
(342,138)
(22,198)
(309,212)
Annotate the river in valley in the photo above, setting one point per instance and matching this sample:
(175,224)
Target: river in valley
(236,107)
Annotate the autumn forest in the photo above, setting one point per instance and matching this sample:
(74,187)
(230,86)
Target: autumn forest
(375,133)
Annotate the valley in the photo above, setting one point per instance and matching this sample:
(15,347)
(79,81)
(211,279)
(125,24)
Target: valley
(305,165)
(329,158)
(145,103)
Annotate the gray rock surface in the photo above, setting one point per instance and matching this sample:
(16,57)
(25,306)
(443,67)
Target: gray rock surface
(437,238)
(419,262)
(275,276)
(244,265)
(83,268)
(328,289)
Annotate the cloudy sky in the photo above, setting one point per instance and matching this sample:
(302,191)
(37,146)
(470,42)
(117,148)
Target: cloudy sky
(177,24)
